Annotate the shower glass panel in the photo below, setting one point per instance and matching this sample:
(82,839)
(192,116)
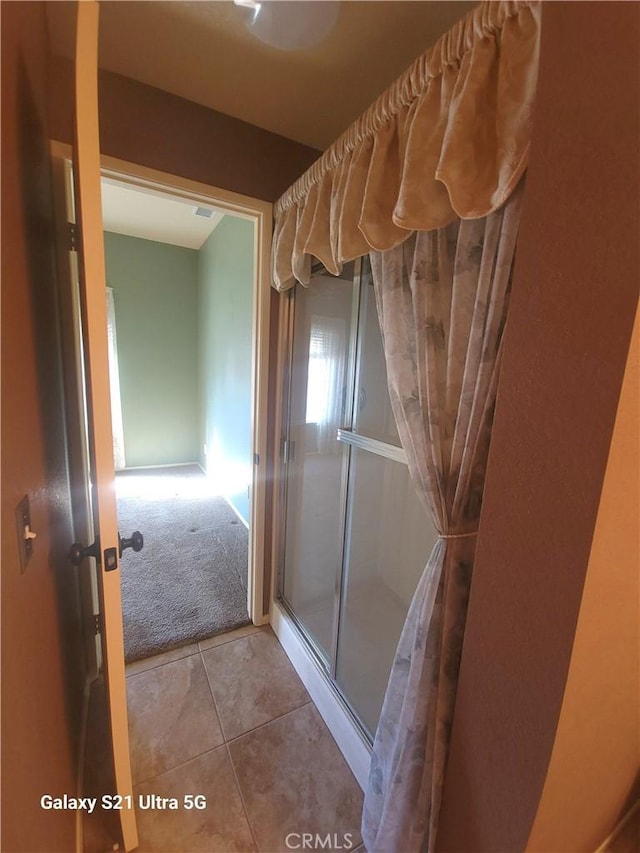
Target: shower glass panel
(388,532)
(319,396)
(388,543)
(373,415)
(356,537)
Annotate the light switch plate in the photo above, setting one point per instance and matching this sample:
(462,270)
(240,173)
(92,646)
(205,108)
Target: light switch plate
(23,519)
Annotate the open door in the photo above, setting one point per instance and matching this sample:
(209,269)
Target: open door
(106,549)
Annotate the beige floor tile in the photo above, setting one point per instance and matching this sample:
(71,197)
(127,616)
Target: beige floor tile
(293,780)
(229,636)
(219,828)
(253,682)
(158,660)
(172,717)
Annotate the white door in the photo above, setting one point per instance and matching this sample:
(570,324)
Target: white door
(105,550)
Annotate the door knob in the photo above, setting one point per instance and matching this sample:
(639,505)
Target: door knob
(77,553)
(136,541)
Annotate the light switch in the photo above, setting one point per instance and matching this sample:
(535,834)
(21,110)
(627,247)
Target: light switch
(24,531)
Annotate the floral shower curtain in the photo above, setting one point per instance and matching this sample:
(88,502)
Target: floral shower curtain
(442,299)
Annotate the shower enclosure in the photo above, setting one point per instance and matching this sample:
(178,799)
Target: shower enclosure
(355,537)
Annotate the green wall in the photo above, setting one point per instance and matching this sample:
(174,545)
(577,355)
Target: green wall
(155,290)
(225,334)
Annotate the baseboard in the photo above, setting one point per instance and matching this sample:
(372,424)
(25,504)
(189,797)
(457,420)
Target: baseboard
(162,465)
(226,497)
(246,523)
(351,742)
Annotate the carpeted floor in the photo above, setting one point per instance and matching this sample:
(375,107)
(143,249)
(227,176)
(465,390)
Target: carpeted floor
(190,579)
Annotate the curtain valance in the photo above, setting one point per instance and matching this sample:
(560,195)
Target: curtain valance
(450,138)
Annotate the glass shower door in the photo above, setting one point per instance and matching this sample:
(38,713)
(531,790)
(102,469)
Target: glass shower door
(389,534)
(357,538)
(319,398)
(386,550)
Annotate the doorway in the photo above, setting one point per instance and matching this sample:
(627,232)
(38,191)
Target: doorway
(259,214)
(179,291)
(255,215)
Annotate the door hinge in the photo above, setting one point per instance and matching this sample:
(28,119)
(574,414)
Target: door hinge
(96,623)
(72,245)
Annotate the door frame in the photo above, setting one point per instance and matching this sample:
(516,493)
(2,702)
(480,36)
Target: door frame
(135,175)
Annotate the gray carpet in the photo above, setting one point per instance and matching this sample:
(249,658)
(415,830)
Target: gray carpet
(190,580)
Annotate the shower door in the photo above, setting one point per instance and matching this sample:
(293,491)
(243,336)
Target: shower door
(356,538)
(321,367)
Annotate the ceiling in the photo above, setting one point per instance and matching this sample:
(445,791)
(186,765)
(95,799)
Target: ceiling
(207,52)
(153,215)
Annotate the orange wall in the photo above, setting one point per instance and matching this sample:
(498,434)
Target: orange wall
(596,752)
(41,648)
(566,342)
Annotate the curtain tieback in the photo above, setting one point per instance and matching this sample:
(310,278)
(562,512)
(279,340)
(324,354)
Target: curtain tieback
(457,535)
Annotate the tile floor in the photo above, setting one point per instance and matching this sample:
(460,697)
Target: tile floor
(228,718)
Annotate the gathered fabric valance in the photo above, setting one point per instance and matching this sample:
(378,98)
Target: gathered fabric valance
(450,138)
